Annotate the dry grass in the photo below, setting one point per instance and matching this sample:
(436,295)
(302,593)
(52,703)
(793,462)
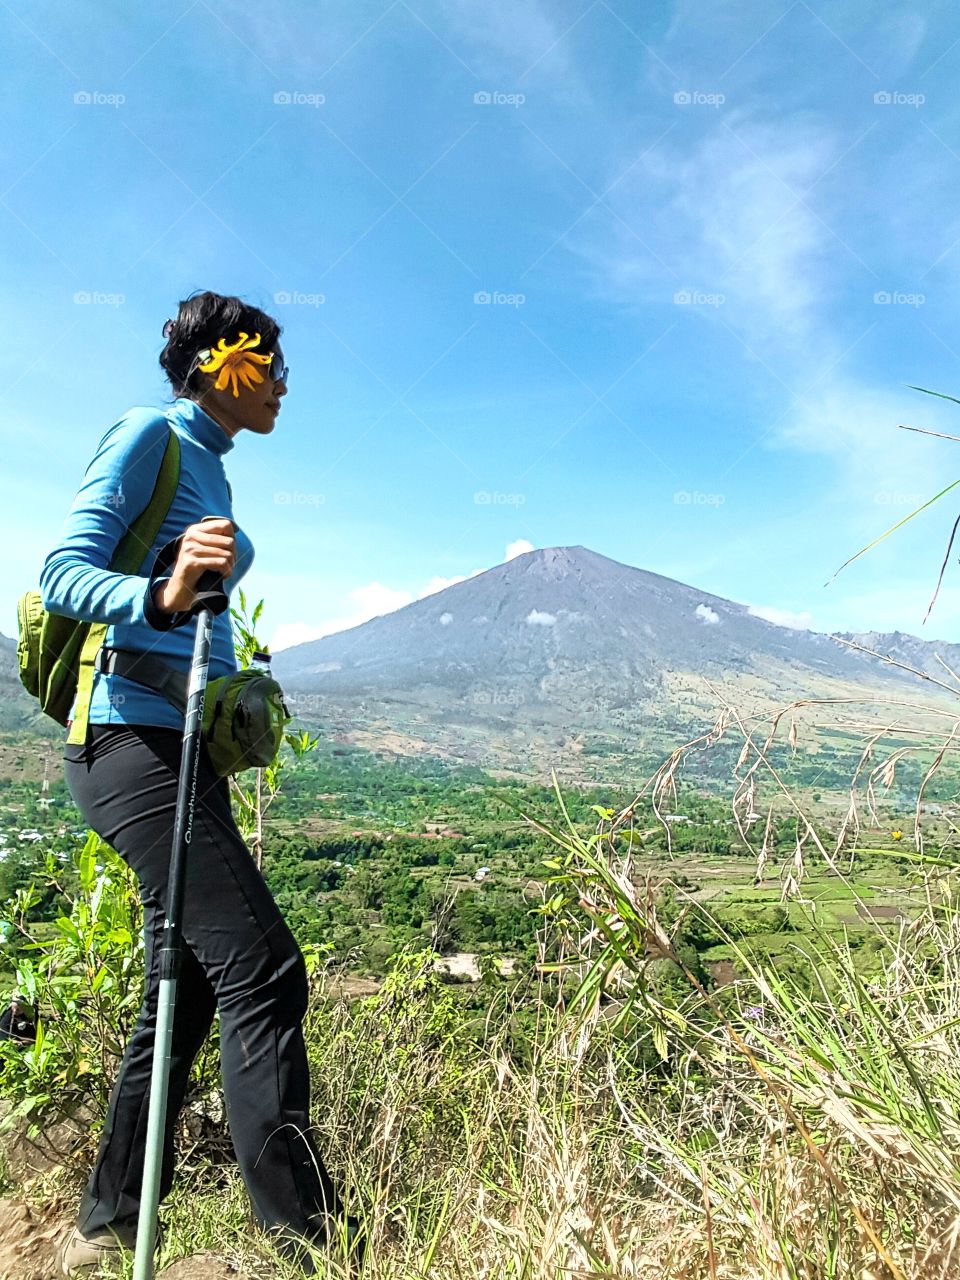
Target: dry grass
(608,1115)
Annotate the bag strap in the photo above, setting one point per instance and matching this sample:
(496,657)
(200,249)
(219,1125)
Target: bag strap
(127,559)
(145,669)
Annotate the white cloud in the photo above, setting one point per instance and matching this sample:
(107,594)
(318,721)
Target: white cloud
(876,467)
(706,614)
(518,548)
(375,599)
(782,617)
(507,40)
(540,618)
(372,601)
(437,583)
(726,214)
(287,634)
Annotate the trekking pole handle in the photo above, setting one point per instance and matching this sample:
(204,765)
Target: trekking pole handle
(209,586)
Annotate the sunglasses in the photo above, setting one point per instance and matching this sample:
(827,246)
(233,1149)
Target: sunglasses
(276,369)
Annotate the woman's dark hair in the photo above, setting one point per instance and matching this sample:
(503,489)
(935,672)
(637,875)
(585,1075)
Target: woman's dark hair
(202,320)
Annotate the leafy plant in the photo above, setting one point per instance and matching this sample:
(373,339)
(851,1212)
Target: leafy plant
(84,974)
(254,798)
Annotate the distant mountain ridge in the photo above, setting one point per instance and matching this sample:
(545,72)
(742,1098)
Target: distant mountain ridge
(562,643)
(17,709)
(558,646)
(928,656)
(551,616)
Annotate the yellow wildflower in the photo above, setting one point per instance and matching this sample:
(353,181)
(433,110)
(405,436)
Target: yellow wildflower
(235,363)
(897,835)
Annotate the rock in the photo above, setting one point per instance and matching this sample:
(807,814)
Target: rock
(202,1266)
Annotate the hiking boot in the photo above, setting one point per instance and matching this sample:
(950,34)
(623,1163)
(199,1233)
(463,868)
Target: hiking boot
(81,1255)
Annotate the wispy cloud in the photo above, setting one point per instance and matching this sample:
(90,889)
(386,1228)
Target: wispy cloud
(876,467)
(374,599)
(722,216)
(782,617)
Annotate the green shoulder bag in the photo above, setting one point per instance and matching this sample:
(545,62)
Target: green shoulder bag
(56,654)
(244,715)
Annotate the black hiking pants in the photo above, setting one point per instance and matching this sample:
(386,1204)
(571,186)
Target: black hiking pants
(239,956)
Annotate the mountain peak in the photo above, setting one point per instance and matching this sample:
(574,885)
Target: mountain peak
(555,562)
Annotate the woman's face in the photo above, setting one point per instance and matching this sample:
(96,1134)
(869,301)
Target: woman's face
(254,408)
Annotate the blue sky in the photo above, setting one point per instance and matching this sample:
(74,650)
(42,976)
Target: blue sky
(716,242)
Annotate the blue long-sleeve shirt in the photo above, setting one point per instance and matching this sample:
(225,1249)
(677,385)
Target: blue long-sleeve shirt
(117,487)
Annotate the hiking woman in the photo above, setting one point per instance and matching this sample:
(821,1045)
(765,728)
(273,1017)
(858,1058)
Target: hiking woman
(224,362)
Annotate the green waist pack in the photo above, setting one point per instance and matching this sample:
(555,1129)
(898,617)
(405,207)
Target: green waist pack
(244,716)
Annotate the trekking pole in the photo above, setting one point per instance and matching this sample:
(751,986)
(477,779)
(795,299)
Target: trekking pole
(209,589)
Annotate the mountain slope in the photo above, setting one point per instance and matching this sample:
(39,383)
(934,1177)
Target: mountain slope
(18,711)
(561,647)
(552,618)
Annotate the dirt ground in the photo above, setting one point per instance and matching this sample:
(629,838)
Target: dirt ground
(28,1245)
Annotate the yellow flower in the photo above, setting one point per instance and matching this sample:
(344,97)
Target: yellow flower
(234,363)
(897,835)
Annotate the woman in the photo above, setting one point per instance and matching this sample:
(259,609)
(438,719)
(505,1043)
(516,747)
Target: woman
(224,362)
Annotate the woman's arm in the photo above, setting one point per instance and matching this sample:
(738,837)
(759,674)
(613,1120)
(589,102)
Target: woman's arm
(117,487)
